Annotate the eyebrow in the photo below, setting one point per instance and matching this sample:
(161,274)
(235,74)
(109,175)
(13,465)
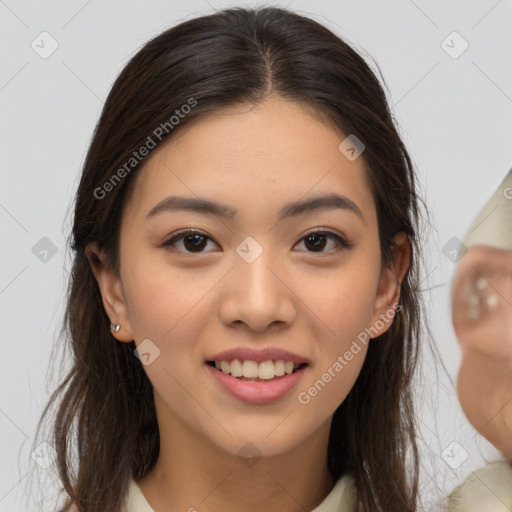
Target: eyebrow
(205,206)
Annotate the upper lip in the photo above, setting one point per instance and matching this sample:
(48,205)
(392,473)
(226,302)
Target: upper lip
(260,355)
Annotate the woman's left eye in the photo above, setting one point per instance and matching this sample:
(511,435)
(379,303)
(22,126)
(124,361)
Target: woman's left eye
(195,241)
(317,240)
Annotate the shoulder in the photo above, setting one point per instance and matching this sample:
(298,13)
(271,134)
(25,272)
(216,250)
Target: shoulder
(134,501)
(343,496)
(487,488)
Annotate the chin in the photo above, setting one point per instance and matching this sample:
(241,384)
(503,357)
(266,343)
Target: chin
(252,445)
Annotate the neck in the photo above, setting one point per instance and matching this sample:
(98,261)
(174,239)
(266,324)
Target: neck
(192,473)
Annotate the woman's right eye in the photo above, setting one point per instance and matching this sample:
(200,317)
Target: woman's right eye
(192,240)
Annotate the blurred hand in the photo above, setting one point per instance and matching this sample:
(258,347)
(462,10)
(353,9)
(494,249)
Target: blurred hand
(482,319)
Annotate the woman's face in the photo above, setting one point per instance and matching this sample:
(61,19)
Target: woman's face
(253,278)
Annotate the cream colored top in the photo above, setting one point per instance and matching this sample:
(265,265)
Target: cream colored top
(342,498)
(488,489)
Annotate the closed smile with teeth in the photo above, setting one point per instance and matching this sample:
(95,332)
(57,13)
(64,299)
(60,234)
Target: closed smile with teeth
(252,370)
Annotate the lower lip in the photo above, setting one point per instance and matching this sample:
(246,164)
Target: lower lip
(257,392)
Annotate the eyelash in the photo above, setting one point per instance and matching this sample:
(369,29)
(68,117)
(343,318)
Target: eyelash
(342,243)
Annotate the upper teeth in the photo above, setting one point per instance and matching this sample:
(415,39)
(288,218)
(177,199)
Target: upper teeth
(253,369)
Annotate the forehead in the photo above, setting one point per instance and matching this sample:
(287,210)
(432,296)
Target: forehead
(246,155)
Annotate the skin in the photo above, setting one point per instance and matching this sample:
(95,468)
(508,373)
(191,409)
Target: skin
(193,305)
(484,381)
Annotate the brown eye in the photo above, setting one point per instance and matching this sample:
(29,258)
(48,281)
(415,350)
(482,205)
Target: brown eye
(317,241)
(192,241)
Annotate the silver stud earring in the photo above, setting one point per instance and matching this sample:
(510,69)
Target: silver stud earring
(115,327)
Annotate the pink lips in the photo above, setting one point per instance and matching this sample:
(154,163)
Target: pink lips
(257,392)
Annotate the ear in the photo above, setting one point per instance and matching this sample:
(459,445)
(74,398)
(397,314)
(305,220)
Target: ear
(111,292)
(388,291)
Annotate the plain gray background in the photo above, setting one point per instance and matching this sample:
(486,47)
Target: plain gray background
(454,113)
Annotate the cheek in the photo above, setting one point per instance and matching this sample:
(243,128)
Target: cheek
(345,302)
(161,299)
(343,310)
(168,306)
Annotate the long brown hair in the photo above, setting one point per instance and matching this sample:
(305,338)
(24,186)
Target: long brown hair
(105,417)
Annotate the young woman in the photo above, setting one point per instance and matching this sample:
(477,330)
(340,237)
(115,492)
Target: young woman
(244,309)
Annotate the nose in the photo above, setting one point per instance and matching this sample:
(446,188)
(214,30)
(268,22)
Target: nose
(257,294)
